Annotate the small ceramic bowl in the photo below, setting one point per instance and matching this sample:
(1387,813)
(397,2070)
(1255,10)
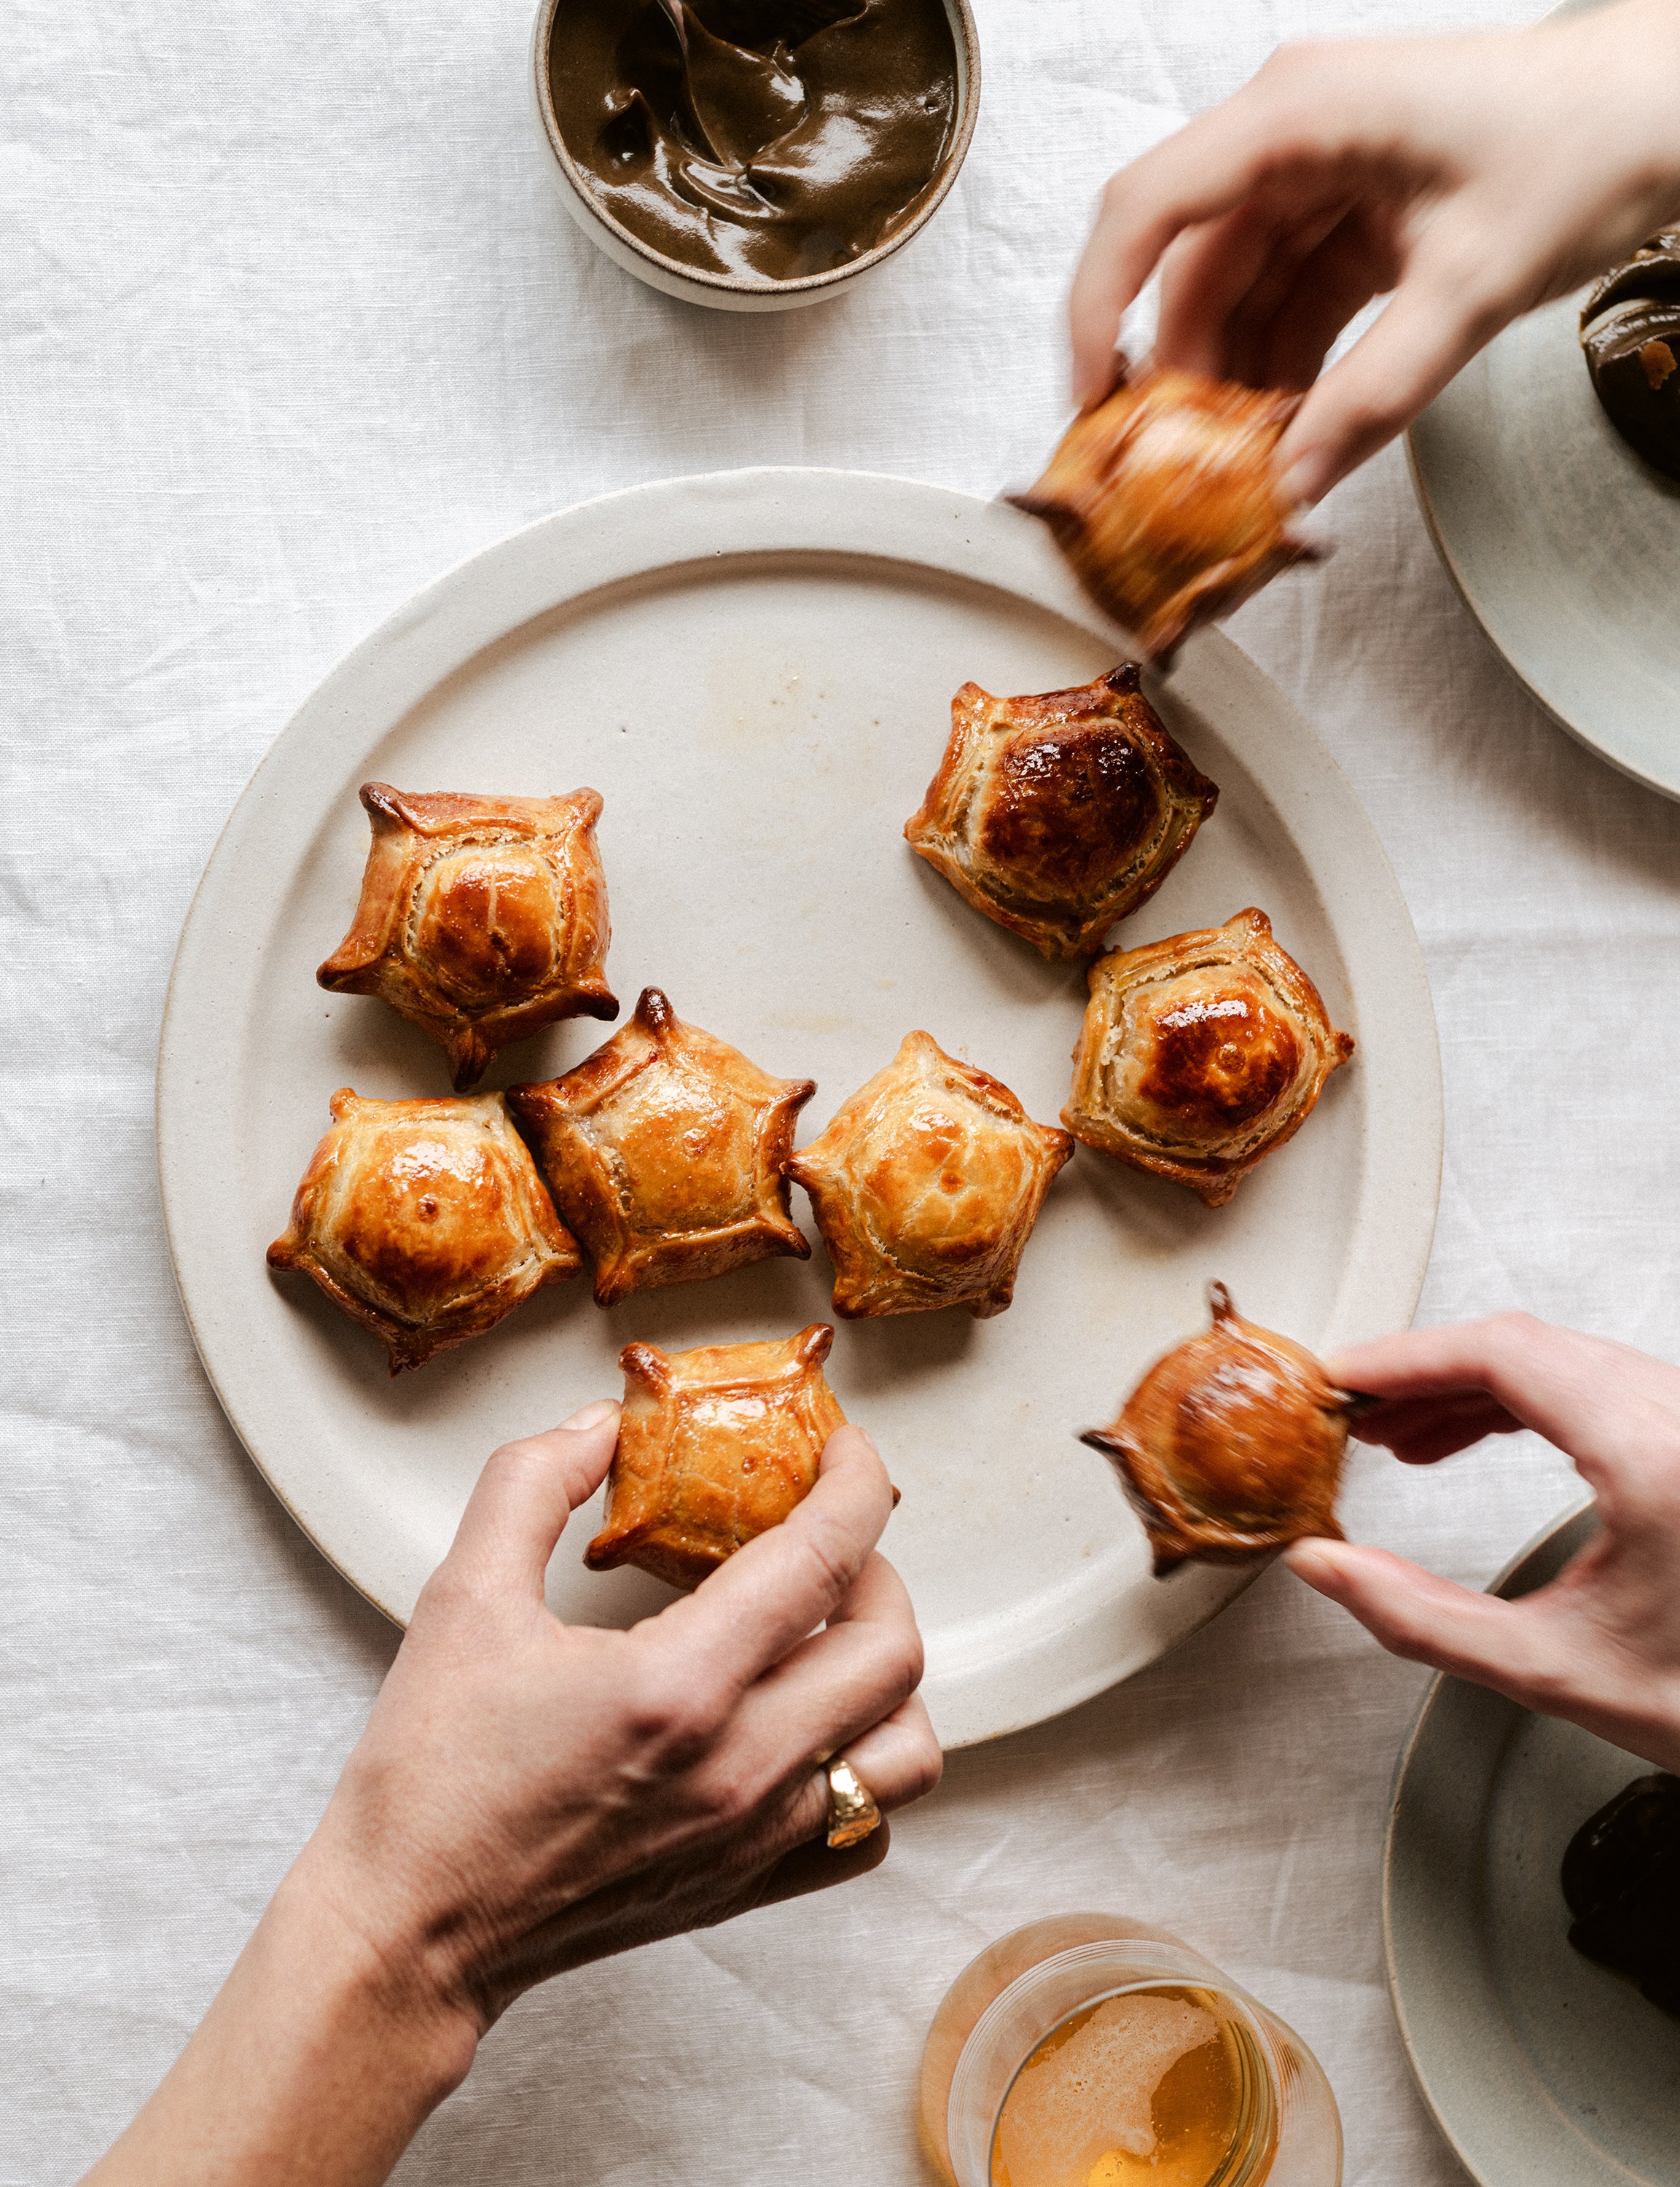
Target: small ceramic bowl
(732,292)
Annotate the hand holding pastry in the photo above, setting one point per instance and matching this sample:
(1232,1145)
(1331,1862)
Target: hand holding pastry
(1600,1646)
(528,1795)
(1473,176)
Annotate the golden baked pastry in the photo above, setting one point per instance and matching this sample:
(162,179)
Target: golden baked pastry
(926,1186)
(664,1151)
(426,1220)
(482,918)
(1165,502)
(714,1446)
(1058,814)
(1199,1055)
(1231,1445)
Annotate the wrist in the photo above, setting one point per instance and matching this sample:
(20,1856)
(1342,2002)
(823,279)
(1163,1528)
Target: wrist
(334,2041)
(378,1965)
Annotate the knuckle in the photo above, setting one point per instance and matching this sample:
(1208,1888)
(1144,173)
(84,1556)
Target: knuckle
(1369,418)
(449,1594)
(1117,192)
(926,1766)
(512,1455)
(912,1660)
(831,1550)
(675,1711)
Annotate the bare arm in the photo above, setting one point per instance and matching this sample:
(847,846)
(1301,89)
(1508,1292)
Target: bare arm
(528,1795)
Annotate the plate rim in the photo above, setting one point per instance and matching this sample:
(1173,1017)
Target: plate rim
(1537,1562)
(1417,465)
(835,514)
(1487,620)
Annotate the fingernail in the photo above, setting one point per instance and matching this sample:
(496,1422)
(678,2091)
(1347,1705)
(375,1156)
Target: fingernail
(592,1415)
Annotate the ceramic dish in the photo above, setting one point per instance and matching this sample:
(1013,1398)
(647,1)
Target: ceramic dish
(755,671)
(1537,2065)
(1562,542)
(728,292)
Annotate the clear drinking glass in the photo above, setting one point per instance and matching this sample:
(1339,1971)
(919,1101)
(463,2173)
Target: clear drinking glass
(1265,2108)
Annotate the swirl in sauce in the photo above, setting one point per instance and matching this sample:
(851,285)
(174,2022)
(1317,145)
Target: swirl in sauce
(769,139)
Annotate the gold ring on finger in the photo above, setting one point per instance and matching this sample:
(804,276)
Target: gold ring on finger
(852,1813)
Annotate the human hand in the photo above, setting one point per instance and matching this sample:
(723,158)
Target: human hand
(1475,177)
(1600,1644)
(530,1795)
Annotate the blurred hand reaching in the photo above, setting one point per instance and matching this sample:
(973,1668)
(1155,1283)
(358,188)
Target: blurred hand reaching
(1473,177)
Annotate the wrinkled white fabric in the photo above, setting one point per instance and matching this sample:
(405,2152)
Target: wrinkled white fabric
(292,318)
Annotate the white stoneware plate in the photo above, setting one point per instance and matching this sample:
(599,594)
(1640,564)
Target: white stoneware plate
(1537,2065)
(755,671)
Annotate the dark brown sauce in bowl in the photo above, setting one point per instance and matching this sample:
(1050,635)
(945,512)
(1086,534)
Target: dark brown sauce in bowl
(772,141)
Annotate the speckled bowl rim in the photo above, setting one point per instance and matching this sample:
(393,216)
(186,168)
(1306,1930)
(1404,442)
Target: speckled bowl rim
(963,29)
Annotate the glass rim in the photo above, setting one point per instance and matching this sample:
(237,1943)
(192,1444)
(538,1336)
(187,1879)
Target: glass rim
(1202,1975)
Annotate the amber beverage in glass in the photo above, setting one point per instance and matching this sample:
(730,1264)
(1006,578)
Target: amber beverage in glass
(1090,2051)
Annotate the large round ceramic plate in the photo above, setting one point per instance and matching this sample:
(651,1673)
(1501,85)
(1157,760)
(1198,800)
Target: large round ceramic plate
(1537,2065)
(755,671)
(1563,542)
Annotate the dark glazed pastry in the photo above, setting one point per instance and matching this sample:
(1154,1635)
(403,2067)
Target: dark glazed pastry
(482,918)
(1165,502)
(1621,1882)
(768,138)
(1199,1055)
(1231,1445)
(1630,330)
(665,1150)
(926,1186)
(714,1446)
(426,1220)
(1059,814)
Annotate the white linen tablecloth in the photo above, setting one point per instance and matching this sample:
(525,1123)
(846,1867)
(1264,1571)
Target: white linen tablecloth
(292,320)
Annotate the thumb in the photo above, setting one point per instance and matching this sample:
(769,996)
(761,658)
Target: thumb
(1426,1620)
(524,1495)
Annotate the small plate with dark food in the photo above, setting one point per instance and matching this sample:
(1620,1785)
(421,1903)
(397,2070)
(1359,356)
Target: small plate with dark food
(1532,1920)
(1548,473)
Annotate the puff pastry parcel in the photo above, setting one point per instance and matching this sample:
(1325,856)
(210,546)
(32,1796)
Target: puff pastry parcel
(926,1186)
(426,1220)
(714,1446)
(1201,1054)
(1057,815)
(482,918)
(1231,1445)
(1165,501)
(665,1150)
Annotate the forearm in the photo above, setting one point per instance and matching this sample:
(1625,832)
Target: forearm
(316,2063)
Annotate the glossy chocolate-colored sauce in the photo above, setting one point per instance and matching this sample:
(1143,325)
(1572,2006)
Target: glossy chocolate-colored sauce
(1630,330)
(1621,1882)
(773,138)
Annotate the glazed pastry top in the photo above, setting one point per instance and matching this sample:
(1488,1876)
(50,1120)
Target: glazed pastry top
(1201,1053)
(482,918)
(1058,814)
(1166,503)
(927,1185)
(665,1151)
(425,1219)
(1231,1445)
(715,1446)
